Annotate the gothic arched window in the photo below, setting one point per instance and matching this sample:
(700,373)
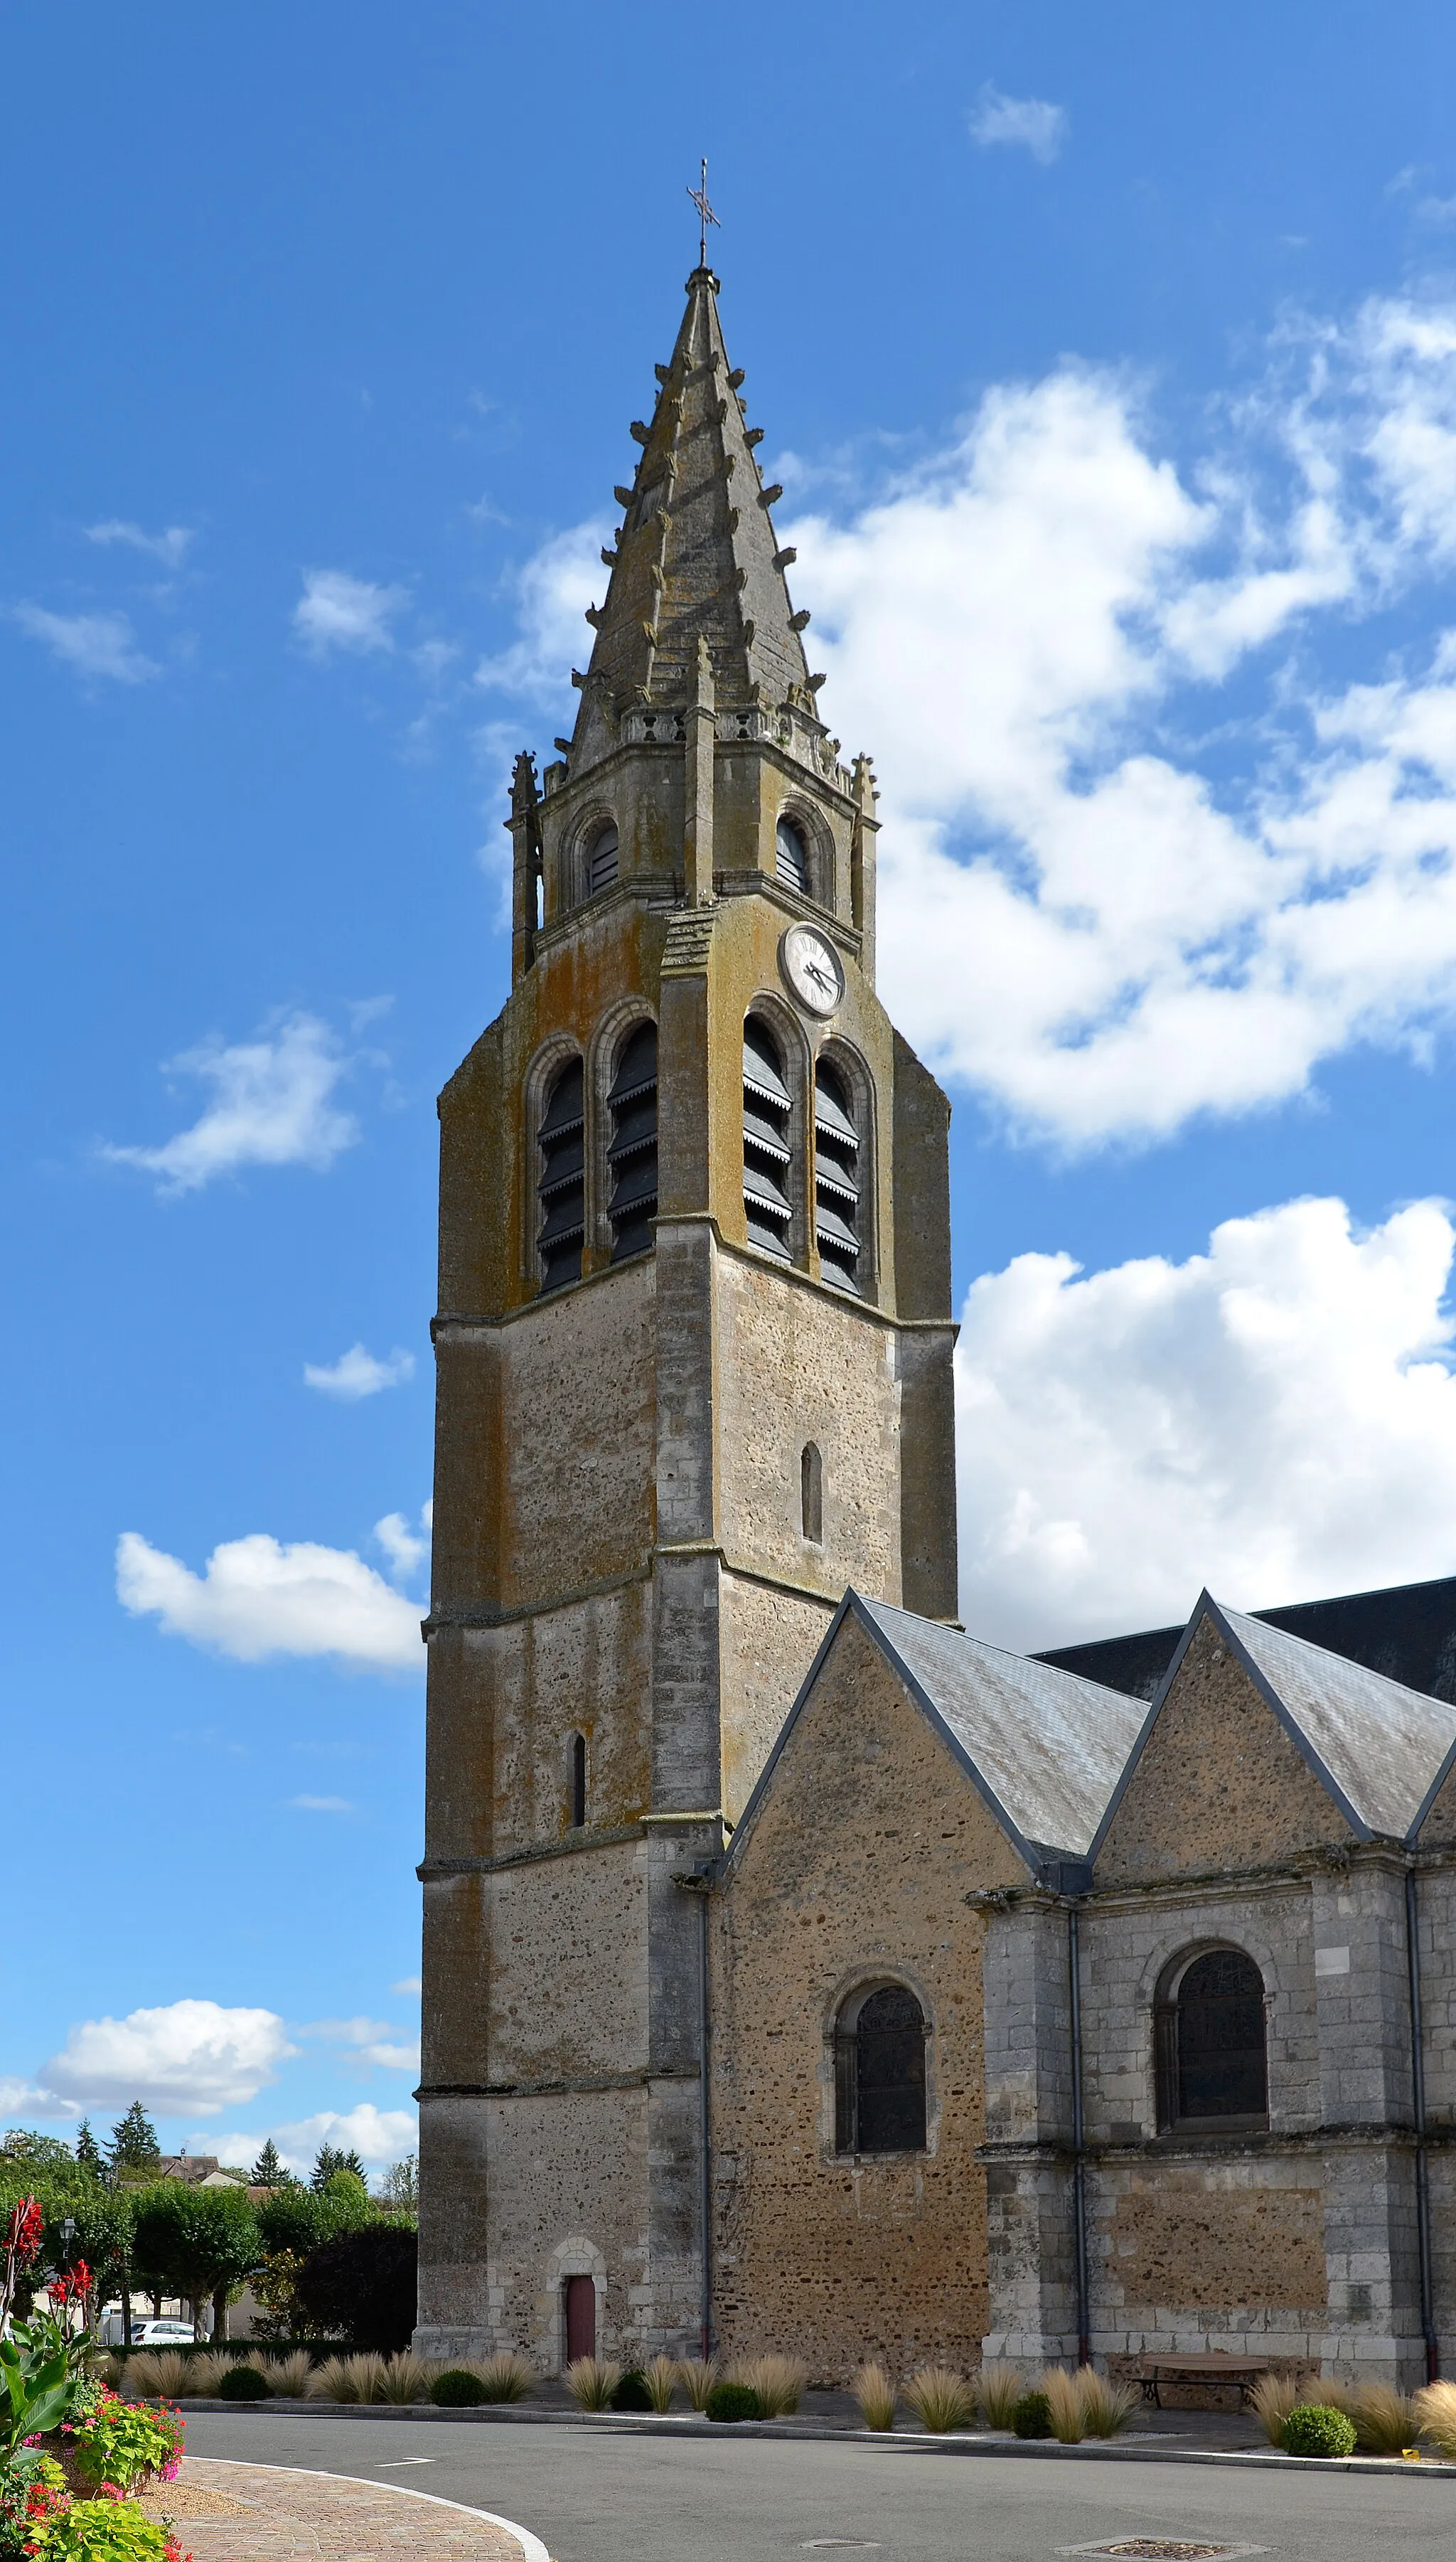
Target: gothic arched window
(767,1154)
(791,855)
(603,856)
(632,1151)
(836,1178)
(812,1493)
(1212,2067)
(561,1183)
(879,2073)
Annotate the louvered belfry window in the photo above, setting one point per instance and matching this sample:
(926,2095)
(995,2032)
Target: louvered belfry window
(767,1154)
(835,1180)
(561,1185)
(631,1152)
(791,855)
(602,859)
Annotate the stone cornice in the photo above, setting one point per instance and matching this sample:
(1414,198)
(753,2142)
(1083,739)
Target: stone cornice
(576,1845)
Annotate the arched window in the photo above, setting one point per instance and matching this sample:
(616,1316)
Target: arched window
(1212,2068)
(561,1183)
(603,856)
(879,2073)
(812,1493)
(631,1152)
(578,1781)
(836,1178)
(766,1115)
(791,855)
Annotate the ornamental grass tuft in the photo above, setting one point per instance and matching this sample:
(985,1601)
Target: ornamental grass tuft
(333,2381)
(940,2399)
(1106,2407)
(875,2395)
(1274,2397)
(507,2376)
(697,2377)
(778,2383)
(1065,2412)
(661,2378)
(406,2378)
(289,2375)
(999,2388)
(1318,2428)
(204,2373)
(591,2381)
(1435,2409)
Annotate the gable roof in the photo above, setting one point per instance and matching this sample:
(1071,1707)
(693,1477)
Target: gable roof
(1377,1749)
(1408,1631)
(1042,1748)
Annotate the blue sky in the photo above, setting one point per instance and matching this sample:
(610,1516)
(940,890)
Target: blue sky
(1109,364)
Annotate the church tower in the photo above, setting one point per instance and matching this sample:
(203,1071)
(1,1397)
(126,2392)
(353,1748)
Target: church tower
(694,1379)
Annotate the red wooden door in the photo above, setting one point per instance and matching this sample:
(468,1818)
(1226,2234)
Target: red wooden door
(581,2318)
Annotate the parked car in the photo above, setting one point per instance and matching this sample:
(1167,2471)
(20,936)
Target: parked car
(149,2333)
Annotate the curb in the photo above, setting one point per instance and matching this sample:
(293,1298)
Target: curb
(903,2442)
(533,2549)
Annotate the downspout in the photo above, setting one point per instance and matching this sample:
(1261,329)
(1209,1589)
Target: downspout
(705,2132)
(1418,2113)
(1079,2166)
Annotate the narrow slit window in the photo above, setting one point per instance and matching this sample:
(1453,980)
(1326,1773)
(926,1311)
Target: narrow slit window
(602,859)
(836,1203)
(631,1152)
(578,1782)
(791,855)
(561,1185)
(767,1153)
(812,1493)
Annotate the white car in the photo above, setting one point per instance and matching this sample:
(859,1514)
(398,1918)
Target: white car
(159,2335)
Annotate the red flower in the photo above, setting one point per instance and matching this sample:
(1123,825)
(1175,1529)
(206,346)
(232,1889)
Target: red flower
(22,2231)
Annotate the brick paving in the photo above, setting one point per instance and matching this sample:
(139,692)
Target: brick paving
(268,2511)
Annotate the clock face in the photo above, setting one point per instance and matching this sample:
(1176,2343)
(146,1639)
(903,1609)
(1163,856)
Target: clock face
(811,965)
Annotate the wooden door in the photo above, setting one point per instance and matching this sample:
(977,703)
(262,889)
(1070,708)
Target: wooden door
(581,2318)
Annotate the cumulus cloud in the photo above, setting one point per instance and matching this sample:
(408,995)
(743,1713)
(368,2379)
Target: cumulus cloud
(17,2093)
(336,611)
(1028,123)
(1275,1418)
(191,2056)
(552,594)
(169,547)
(358,1373)
(410,1984)
(93,644)
(375,2041)
(375,2135)
(401,1545)
(258,1597)
(271,1105)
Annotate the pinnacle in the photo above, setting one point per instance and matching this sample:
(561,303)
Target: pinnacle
(696,558)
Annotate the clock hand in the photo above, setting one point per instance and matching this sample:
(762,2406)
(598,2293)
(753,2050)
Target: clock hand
(814,969)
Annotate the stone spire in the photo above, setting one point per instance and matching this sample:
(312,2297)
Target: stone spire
(696,559)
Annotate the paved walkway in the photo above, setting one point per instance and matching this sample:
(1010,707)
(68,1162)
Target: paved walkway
(229,2512)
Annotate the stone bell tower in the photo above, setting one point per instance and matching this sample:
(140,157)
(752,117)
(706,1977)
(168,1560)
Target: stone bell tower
(694,1377)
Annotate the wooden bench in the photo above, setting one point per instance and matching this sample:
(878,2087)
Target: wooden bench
(1213,2366)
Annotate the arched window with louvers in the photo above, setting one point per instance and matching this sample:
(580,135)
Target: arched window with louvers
(631,1146)
(838,1188)
(767,1152)
(561,1179)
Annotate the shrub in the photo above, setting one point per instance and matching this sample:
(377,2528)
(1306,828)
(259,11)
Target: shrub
(593,2381)
(242,2384)
(940,2399)
(999,2388)
(1065,2418)
(406,2378)
(457,2390)
(1316,2429)
(506,2376)
(778,2383)
(124,2443)
(1106,2408)
(1031,2416)
(875,2395)
(697,2377)
(630,2394)
(1274,2398)
(361,2286)
(660,2378)
(1435,2409)
(733,2402)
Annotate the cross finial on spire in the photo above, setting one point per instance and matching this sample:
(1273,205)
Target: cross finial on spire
(706,215)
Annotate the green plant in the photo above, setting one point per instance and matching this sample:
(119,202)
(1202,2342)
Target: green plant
(1031,2416)
(32,2487)
(733,2402)
(197,2242)
(457,2390)
(1066,2418)
(506,2376)
(126,2443)
(242,2384)
(1274,2397)
(697,2377)
(999,2388)
(659,2377)
(630,2394)
(940,2399)
(875,2395)
(1106,2408)
(1316,2429)
(104,2530)
(778,2383)
(591,2381)
(362,2286)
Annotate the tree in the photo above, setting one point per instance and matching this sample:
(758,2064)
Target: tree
(199,2242)
(33,2152)
(362,2287)
(267,2171)
(133,2146)
(400,2186)
(87,2150)
(332,2159)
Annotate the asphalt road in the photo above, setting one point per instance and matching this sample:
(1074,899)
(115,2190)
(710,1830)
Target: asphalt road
(602,2495)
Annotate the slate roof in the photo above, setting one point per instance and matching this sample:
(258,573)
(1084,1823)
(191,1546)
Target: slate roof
(1406,1632)
(1382,1746)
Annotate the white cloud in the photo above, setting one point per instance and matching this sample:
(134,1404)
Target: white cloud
(191,2056)
(16,2095)
(1029,123)
(336,611)
(169,547)
(375,2135)
(94,644)
(410,1984)
(258,1597)
(272,1105)
(1275,1418)
(323,1805)
(358,2031)
(552,594)
(395,2059)
(358,1373)
(400,1543)
(374,2039)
